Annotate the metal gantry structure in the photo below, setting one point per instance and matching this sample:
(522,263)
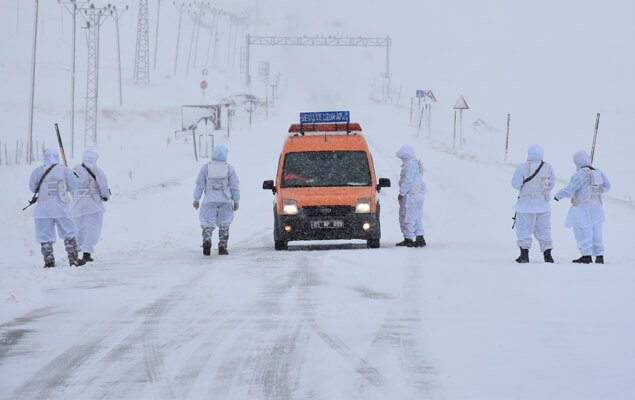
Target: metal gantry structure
(94,18)
(329,41)
(73,7)
(142,51)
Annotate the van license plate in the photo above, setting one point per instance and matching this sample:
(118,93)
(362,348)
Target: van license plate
(327,224)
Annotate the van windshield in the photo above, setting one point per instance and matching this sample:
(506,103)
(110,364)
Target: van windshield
(325,168)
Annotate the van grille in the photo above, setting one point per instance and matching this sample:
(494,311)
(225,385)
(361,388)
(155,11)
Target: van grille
(321,211)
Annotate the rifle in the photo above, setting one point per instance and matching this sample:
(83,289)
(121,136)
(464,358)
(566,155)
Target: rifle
(59,141)
(37,188)
(595,135)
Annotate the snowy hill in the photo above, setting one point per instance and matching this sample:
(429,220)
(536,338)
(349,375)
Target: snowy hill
(459,319)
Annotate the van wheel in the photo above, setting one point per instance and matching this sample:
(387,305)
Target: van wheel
(280,245)
(372,243)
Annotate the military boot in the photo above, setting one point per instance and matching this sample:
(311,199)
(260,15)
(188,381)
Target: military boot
(223,238)
(583,260)
(47,252)
(524,256)
(87,257)
(419,241)
(406,243)
(547,255)
(207,241)
(71,249)
(599,259)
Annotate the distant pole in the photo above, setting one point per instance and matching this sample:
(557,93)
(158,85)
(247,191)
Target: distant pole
(34,58)
(428,118)
(156,40)
(595,135)
(119,62)
(507,138)
(420,119)
(73,81)
(189,54)
(178,39)
(454,135)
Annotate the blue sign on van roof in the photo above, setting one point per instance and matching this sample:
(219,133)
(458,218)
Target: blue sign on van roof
(325,117)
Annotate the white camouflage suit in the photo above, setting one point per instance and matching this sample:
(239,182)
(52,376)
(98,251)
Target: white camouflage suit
(412,189)
(51,210)
(220,183)
(533,208)
(87,208)
(586,214)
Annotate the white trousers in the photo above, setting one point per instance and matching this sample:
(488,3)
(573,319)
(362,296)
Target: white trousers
(88,231)
(45,229)
(537,224)
(212,215)
(590,240)
(411,215)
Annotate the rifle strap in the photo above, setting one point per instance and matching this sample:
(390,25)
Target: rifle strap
(91,173)
(589,167)
(534,174)
(37,189)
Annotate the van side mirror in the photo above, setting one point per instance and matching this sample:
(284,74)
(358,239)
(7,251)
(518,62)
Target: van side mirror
(268,185)
(383,182)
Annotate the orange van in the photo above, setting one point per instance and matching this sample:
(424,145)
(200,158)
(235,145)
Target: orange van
(326,186)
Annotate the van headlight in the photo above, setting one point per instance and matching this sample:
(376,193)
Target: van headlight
(289,207)
(363,205)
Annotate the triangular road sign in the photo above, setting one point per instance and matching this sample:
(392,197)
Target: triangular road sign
(461,104)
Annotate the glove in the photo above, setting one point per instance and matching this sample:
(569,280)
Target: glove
(555,198)
(104,199)
(195,204)
(400,197)
(235,206)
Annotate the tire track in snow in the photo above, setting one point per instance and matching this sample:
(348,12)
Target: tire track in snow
(267,368)
(144,336)
(310,279)
(399,332)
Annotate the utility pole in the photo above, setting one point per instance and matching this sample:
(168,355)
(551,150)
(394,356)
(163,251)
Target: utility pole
(34,58)
(115,13)
(142,50)
(178,37)
(156,40)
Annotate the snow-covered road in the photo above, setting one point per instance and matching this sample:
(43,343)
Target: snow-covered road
(154,319)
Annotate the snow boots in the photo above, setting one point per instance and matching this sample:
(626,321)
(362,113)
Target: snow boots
(419,241)
(599,259)
(47,252)
(207,248)
(406,243)
(547,255)
(584,260)
(524,256)
(87,257)
(223,237)
(207,241)
(71,249)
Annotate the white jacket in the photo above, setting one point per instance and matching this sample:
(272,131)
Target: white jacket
(53,193)
(535,195)
(218,179)
(411,179)
(90,191)
(585,189)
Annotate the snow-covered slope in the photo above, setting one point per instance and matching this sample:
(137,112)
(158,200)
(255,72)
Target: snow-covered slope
(153,318)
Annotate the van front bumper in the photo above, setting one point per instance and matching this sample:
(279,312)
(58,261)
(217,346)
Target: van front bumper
(306,225)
